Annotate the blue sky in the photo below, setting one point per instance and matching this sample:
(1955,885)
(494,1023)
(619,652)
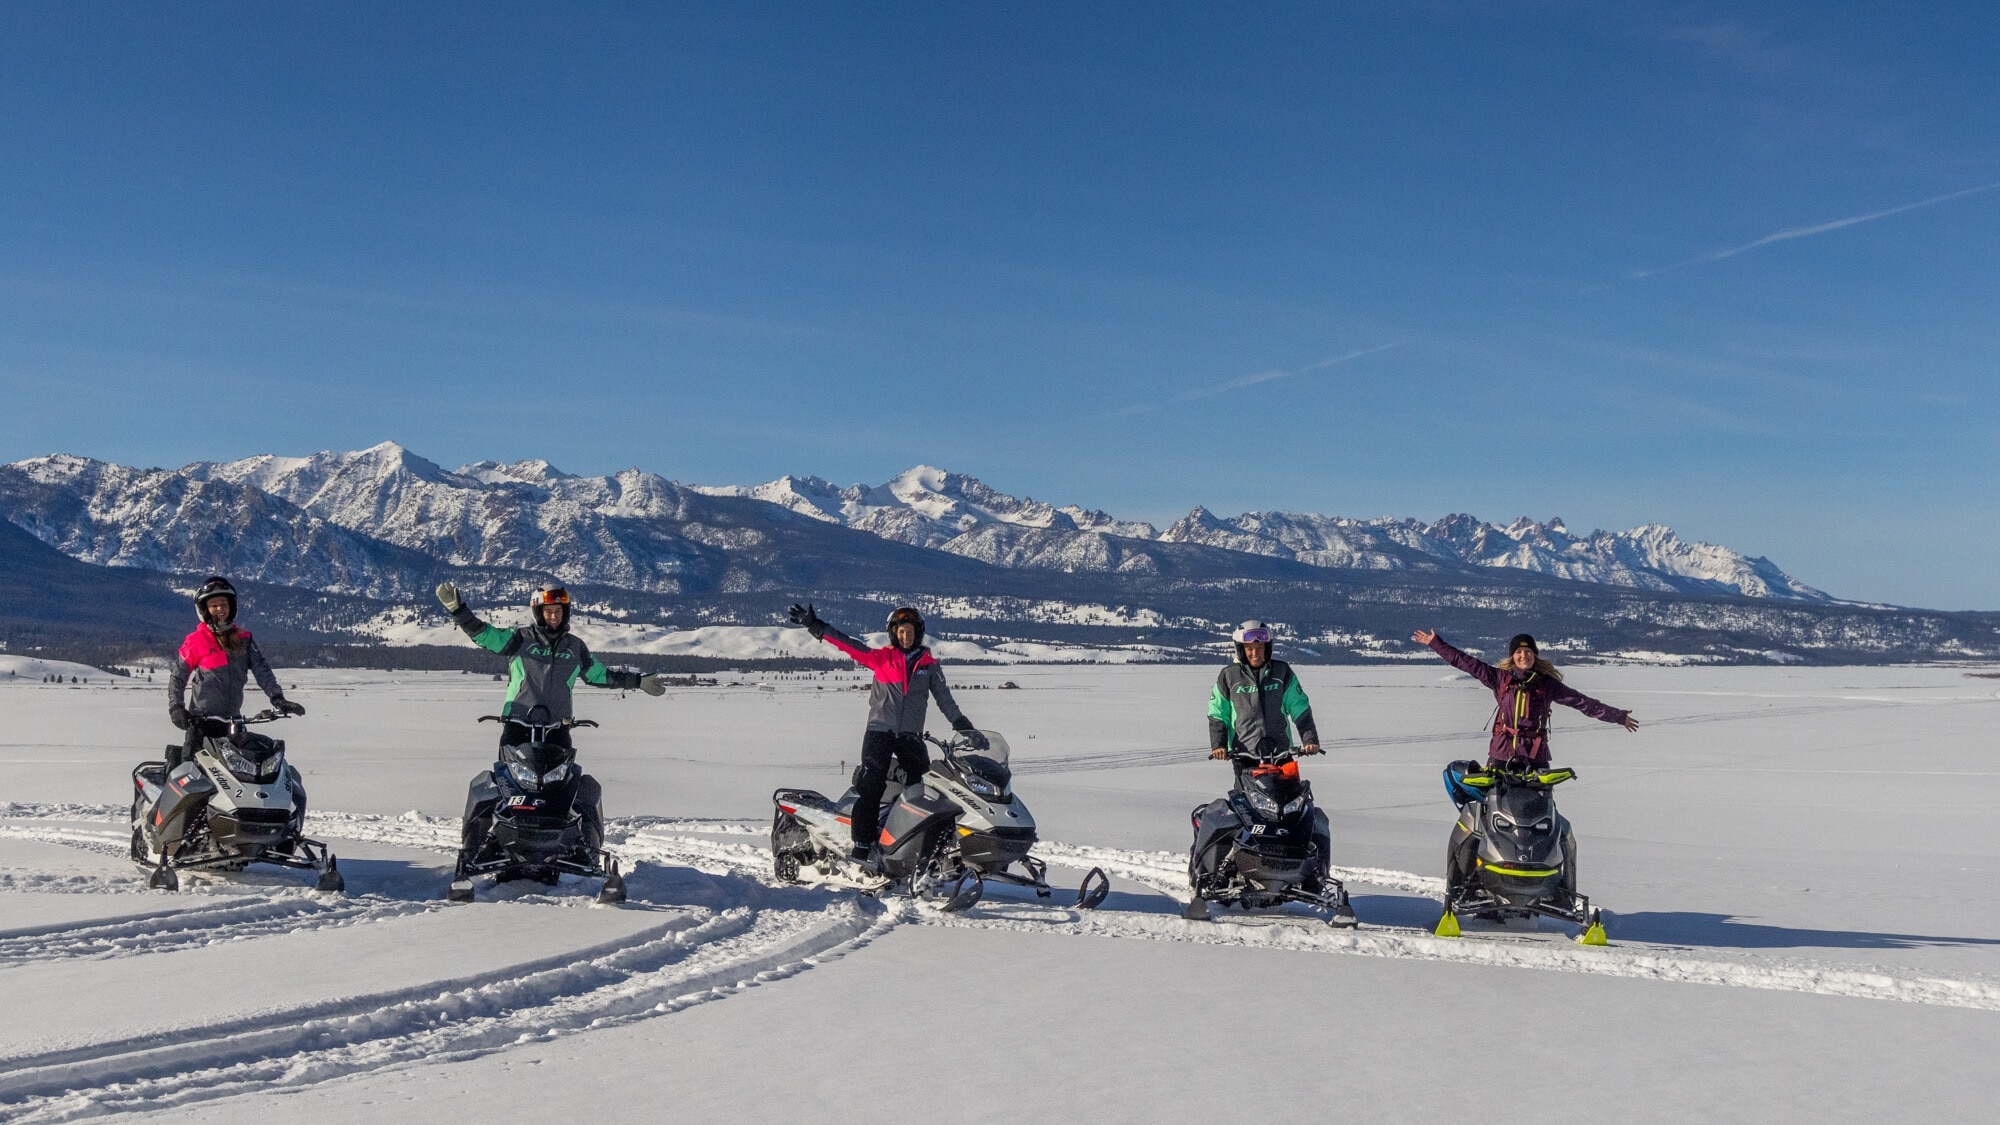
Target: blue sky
(1364,259)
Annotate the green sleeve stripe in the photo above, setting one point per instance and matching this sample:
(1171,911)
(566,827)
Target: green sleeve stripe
(1219,707)
(595,674)
(1295,703)
(493,638)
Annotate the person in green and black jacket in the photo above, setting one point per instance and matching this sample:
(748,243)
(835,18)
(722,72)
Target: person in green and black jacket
(1254,698)
(1248,712)
(544,662)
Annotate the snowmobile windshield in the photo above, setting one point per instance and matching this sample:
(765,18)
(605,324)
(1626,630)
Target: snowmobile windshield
(985,771)
(535,764)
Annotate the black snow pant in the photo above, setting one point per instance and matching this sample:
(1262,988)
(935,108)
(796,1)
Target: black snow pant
(878,749)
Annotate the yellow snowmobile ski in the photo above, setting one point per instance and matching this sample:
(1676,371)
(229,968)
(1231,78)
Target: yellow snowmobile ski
(1593,934)
(1447,925)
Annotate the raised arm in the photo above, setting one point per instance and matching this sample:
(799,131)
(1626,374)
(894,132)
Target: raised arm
(873,659)
(1463,661)
(492,638)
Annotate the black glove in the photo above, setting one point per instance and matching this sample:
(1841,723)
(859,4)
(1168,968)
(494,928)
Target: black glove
(287,707)
(177,715)
(973,738)
(804,615)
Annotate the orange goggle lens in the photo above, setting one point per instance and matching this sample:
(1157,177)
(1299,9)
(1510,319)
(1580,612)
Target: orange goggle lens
(552,597)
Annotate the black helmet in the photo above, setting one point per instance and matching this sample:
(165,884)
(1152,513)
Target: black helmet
(549,595)
(216,587)
(907,615)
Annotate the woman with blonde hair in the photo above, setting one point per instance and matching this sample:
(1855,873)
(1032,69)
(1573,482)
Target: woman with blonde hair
(1525,687)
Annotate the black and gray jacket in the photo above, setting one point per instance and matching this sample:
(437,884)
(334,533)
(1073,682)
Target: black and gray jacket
(1249,707)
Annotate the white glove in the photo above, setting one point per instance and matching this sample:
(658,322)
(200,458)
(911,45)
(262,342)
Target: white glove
(448,597)
(651,684)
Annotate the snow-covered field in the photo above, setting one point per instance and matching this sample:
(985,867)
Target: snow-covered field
(1797,863)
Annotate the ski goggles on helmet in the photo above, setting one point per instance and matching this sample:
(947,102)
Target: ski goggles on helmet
(554,596)
(1253,636)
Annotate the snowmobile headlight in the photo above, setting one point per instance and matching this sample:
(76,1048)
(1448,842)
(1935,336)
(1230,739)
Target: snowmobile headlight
(242,767)
(1544,824)
(1502,820)
(982,787)
(1263,802)
(556,775)
(1295,804)
(527,778)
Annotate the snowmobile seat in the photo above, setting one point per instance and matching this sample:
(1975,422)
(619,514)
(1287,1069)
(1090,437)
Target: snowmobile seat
(1456,776)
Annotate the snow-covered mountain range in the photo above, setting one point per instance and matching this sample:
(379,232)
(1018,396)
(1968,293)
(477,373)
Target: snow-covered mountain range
(385,521)
(930,507)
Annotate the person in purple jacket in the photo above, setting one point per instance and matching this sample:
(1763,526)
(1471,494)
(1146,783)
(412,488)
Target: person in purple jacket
(1524,688)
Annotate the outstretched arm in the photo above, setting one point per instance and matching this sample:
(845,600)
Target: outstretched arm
(1465,662)
(596,674)
(1570,697)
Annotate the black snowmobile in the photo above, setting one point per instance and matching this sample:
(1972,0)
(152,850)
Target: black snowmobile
(1518,858)
(235,803)
(535,815)
(1264,844)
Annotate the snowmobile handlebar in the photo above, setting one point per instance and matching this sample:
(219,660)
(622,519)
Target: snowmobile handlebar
(962,742)
(1288,754)
(267,715)
(564,725)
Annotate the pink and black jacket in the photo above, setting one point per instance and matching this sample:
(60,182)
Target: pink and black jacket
(1521,721)
(905,682)
(209,676)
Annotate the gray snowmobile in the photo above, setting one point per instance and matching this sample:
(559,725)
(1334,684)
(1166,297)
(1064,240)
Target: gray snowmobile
(945,835)
(237,802)
(1264,844)
(1519,857)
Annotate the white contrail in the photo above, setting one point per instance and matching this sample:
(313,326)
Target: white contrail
(1806,232)
(1242,381)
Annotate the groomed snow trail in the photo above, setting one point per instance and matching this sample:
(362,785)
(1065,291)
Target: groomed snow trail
(732,930)
(740,933)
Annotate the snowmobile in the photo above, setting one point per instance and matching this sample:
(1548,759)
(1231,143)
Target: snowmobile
(945,835)
(235,803)
(1264,844)
(523,819)
(1519,859)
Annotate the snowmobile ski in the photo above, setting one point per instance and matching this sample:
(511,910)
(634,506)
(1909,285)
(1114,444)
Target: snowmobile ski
(1594,934)
(331,881)
(1447,925)
(613,891)
(1197,909)
(965,892)
(1095,888)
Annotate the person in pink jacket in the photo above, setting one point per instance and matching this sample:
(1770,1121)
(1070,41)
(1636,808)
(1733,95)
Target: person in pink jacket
(907,678)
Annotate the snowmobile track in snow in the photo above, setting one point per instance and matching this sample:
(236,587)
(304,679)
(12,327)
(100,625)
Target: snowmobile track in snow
(696,956)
